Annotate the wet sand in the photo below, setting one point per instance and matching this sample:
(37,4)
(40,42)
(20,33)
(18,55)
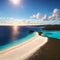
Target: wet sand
(50,51)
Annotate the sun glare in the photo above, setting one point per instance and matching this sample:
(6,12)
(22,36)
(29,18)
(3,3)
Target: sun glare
(15,32)
(16,2)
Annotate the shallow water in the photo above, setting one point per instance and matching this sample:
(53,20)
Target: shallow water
(51,34)
(48,33)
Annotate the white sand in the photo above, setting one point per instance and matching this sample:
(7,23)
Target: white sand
(24,50)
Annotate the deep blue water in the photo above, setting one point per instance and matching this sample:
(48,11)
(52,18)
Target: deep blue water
(11,35)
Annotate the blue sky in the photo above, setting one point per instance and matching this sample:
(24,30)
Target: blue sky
(29,8)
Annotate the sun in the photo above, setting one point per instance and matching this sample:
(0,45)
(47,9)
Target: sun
(16,2)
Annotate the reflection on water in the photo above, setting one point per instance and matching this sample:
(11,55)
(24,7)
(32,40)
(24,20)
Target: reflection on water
(12,33)
(15,32)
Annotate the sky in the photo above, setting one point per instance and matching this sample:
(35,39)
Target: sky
(30,9)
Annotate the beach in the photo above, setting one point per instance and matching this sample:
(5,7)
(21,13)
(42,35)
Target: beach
(29,29)
(49,51)
(36,48)
(24,50)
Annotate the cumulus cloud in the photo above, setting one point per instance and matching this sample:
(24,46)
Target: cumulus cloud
(55,14)
(33,16)
(45,17)
(37,16)
(51,18)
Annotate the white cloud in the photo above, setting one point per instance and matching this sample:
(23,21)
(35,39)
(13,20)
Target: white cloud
(33,16)
(37,16)
(51,18)
(45,17)
(55,14)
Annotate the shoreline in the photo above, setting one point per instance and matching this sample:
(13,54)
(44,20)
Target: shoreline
(21,44)
(49,51)
(20,52)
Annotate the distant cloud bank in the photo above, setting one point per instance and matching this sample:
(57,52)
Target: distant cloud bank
(37,18)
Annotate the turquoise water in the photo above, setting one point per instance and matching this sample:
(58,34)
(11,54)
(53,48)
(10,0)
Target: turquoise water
(47,33)
(8,39)
(14,43)
(51,34)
